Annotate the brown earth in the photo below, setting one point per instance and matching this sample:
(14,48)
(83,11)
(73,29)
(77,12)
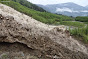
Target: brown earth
(35,28)
(19,42)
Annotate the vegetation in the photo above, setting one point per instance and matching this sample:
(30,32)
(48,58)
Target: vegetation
(85,22)
(70,23)
(82,19)
(80,32)
(4,56)
(29,5)
(44,17)
(4,0)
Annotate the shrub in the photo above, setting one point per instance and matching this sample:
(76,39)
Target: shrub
(82,19)
(80,32)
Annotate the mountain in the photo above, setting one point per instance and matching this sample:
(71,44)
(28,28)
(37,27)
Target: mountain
(86,6)
(29,5)
(22,37)
(69,9)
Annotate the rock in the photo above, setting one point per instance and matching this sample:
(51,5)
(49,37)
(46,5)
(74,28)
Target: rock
(0,15)
(31,57)
(9,18)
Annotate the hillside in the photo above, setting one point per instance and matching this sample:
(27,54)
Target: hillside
(29,5)
(86,6)
(24,37)
(44,17)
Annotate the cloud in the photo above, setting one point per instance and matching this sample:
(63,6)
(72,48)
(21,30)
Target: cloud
(68,10)
(63,9)
(44,2)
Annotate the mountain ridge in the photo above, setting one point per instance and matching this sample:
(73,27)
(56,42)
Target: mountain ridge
(69,9)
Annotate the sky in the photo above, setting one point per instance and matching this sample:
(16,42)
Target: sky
(45,2)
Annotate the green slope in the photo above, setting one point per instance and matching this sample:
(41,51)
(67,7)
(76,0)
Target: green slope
(44,17)
(82,18)
(29,5)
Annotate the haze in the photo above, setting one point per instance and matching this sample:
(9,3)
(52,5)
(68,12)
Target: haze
(45,2)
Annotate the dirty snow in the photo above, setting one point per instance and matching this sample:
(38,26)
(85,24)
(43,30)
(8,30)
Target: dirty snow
(60,38)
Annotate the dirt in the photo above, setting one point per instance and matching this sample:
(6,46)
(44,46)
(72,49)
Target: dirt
(31,39)
(22,51)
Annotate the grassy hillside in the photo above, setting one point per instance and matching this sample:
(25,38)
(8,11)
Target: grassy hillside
(44,17)
(82,18)
(74,23)
(29,5)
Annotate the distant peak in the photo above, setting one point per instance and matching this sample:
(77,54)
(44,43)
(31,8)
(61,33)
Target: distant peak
(69,3)
(87,6)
